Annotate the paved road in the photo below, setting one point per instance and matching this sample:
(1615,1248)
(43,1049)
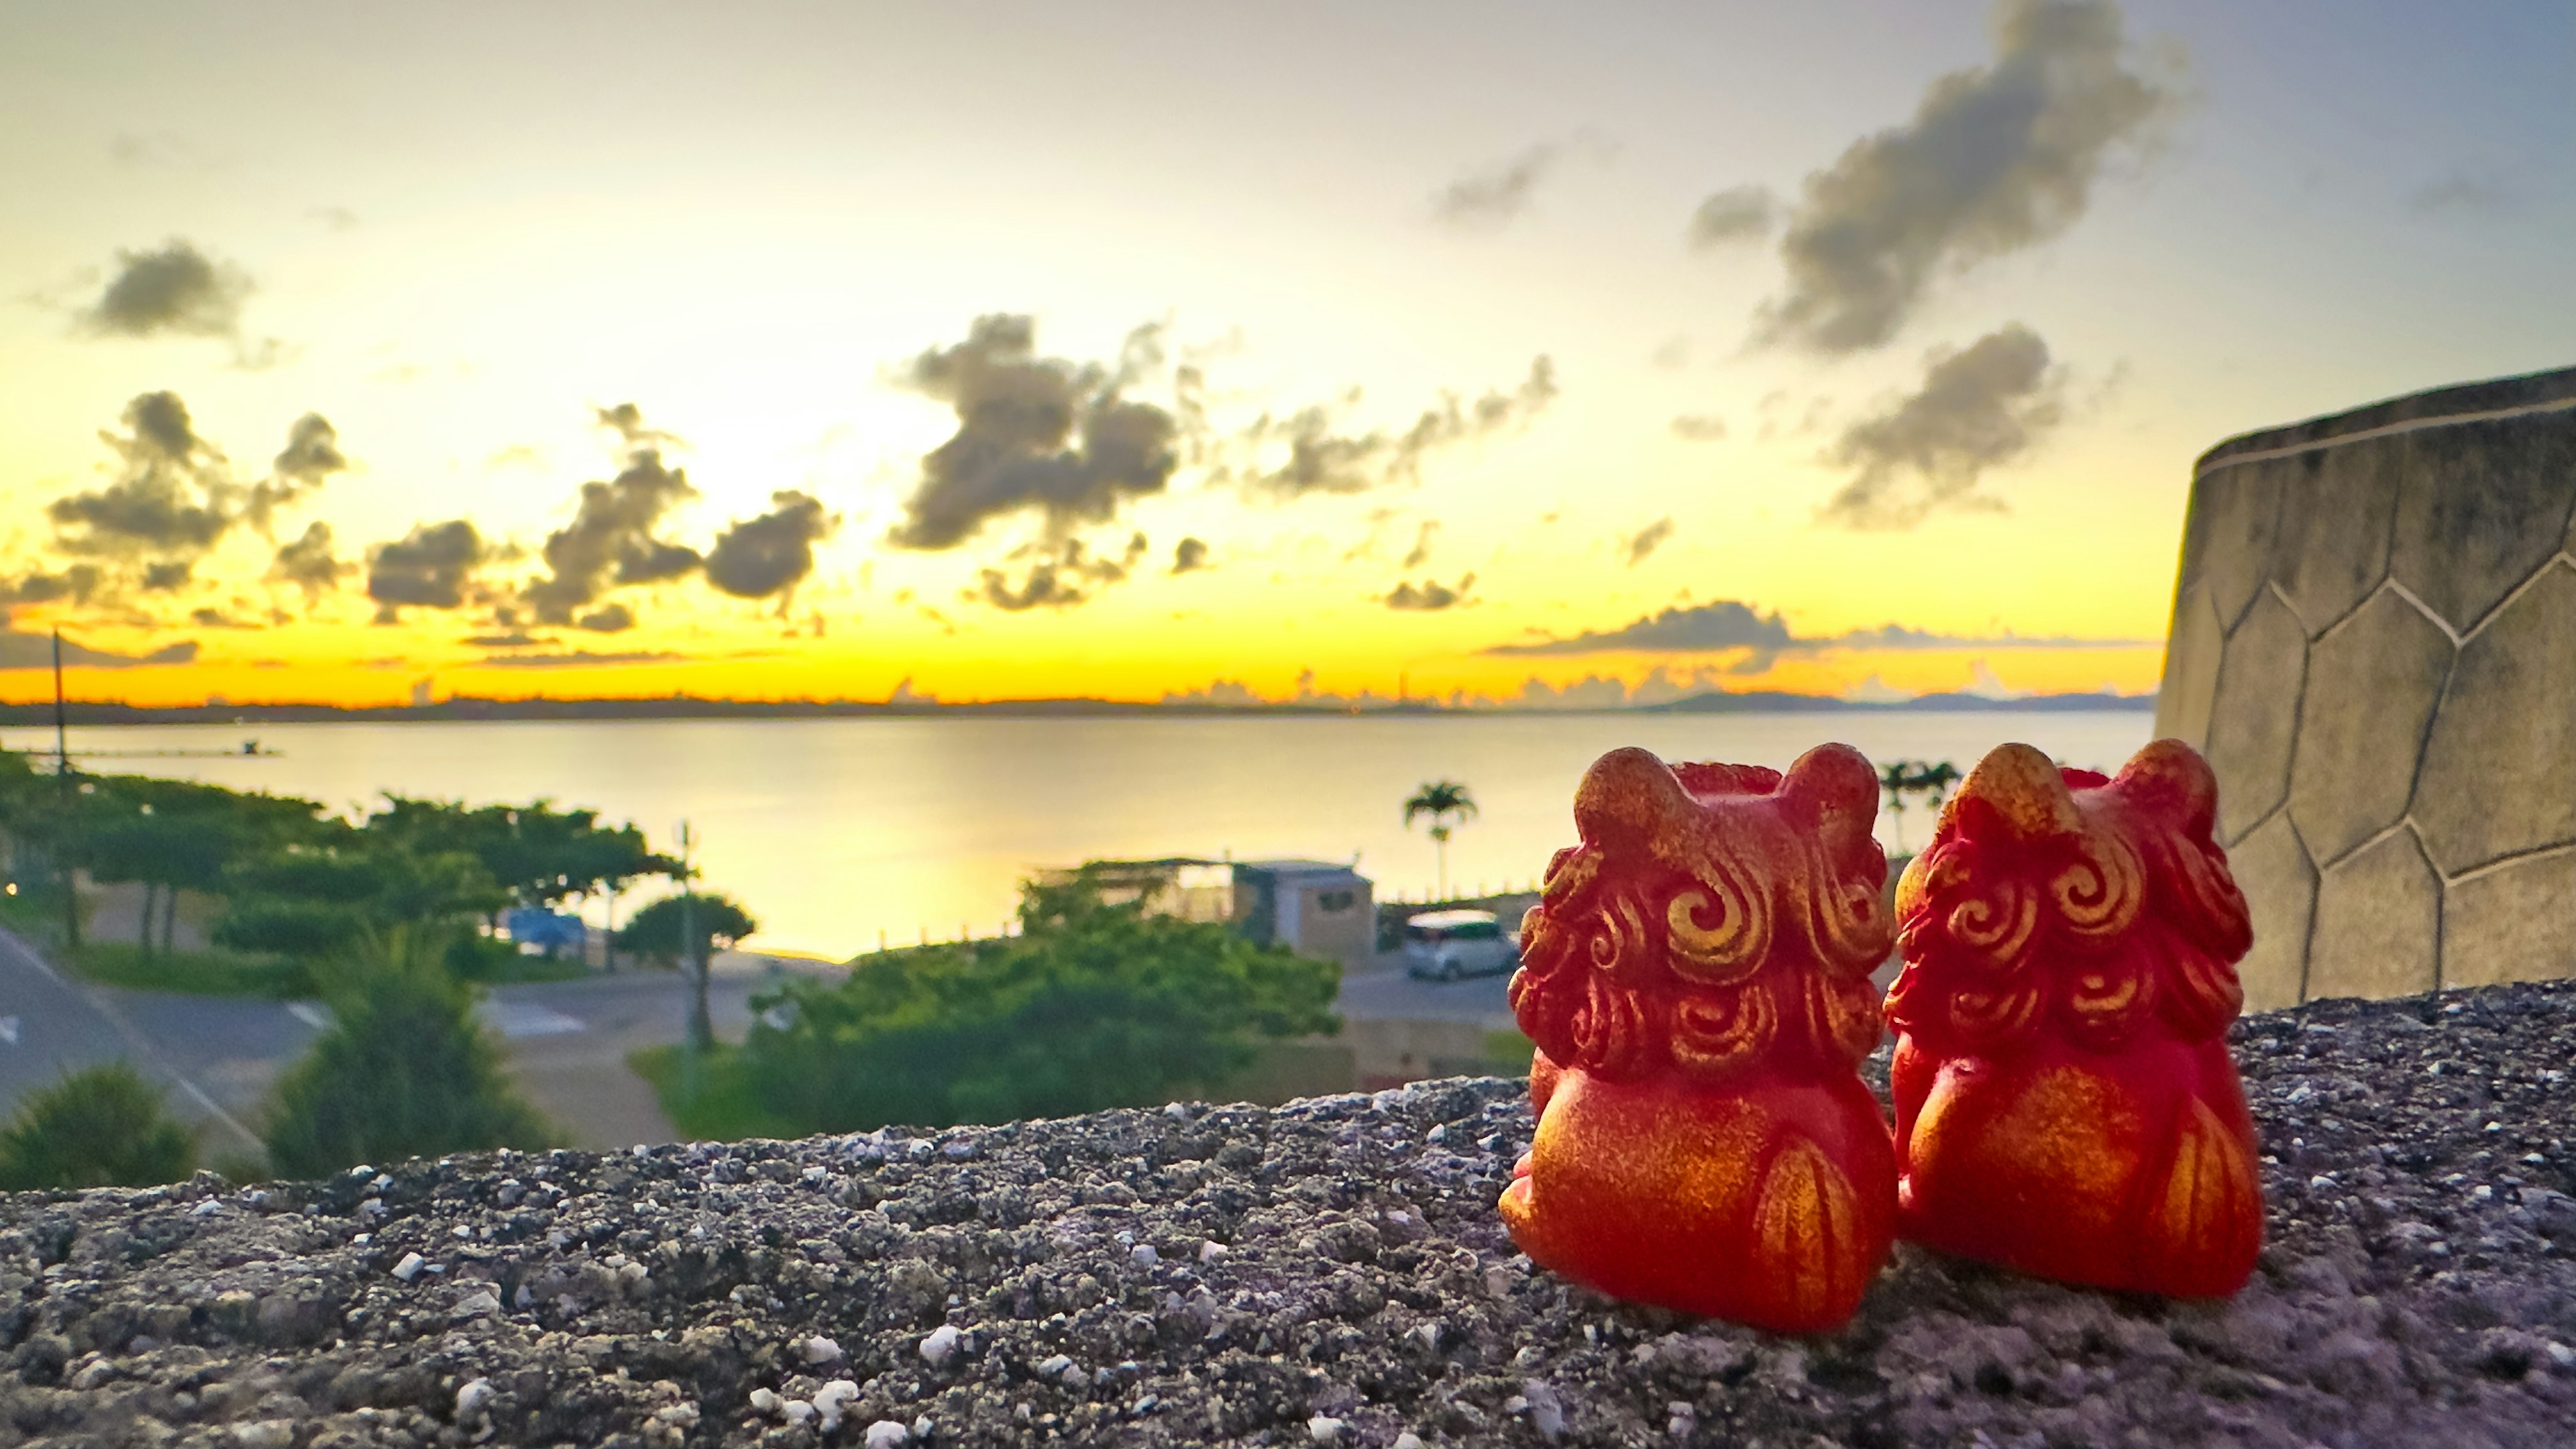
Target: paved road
(50,1024)
(1384,992)
(566,1042)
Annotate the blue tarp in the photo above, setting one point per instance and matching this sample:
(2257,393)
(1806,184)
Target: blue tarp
(530,926)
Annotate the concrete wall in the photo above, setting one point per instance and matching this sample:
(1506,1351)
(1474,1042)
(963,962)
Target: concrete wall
(2374,642)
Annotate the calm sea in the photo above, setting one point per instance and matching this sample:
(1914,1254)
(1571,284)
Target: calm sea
(834,832)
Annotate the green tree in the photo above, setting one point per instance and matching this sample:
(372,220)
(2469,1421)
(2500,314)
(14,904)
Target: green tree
(655,932)
(101,1126)
(663,932)
(1090,1006)
(403,1071)
(320,898)
(1449,805)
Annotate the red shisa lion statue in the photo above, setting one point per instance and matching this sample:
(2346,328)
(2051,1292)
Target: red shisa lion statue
(2065,1102)
(1696,977)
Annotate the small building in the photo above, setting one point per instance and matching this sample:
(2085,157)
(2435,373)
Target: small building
(1313,907)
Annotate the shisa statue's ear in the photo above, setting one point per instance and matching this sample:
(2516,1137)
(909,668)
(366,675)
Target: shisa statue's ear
(2019,789)
(1834,790)
(1625,795)
(2173,775)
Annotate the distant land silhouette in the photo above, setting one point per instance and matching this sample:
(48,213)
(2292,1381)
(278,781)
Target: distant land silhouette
(465,708)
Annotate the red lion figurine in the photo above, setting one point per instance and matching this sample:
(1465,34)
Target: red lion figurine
(2065,1103)
(1696,977)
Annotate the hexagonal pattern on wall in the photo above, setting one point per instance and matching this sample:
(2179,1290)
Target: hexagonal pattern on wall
(2254,715)
(2372,684)
(2375,624)
(2508,717)
(2331,549)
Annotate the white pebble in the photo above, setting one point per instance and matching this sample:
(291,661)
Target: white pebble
(1055,1366)
(1546,1411)
(819,1349)
(798,1411)
(206,1209)
(1324,1429)
(939,1345)
(1211,1250)
(886,1433)
(1408,1440)
(764,1401)
(1144,1256)
(409,1268)
(474,1395)
(831,1399)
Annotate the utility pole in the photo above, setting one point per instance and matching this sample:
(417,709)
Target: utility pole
(701,1029)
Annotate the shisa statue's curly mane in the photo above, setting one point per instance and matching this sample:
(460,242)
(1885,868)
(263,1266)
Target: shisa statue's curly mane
(1714,916)
(1696,979)
(2102,905)
(2065,1101)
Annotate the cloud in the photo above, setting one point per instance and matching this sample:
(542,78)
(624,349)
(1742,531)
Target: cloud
(36,651)
(173,499)
(610,542)
(1420,553)
(312,454)
(2460,192)
(1641,545)
(1727,625)
(1033,433)
(628,421)
(1736,215)
(1994,161)
(1692,629)
(78,583)
(1672,354)
(432,567)
(310,564)
(771,554)
(1321,460)
(1189,556)
(1978,408)
(1430,596)
(173,495)
(337,218)
(1489,199)
(612,619)
(1227,693)
(1064,575)
(176,290)
(1699,428)
(576,659)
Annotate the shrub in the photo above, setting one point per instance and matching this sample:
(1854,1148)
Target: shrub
(1092,1006)
(405,1071)
(101,1126)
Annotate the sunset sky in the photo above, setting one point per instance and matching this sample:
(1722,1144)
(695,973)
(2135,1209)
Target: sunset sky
(997,350)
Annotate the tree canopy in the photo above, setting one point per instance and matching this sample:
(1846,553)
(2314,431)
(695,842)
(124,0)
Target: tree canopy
(1090,1006)
(655,931)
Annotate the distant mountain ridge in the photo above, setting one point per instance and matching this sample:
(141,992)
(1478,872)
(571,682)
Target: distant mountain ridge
(468,708)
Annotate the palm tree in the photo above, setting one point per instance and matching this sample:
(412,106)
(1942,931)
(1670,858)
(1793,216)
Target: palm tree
(1936,781)
(1440,799)
(1897,779)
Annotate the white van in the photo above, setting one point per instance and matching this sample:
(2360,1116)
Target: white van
(1445,945)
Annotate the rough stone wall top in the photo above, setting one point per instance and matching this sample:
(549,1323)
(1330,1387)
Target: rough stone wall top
(1329,1273)
(2374,641)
